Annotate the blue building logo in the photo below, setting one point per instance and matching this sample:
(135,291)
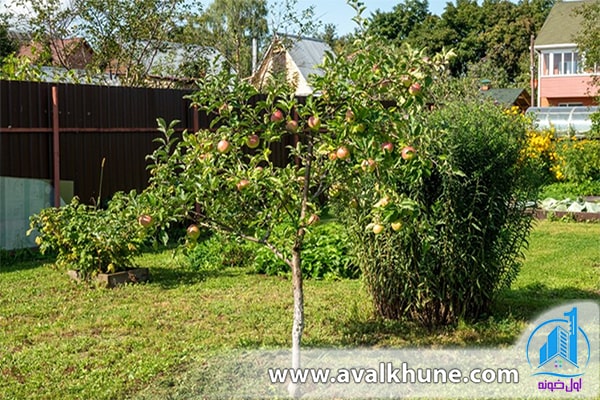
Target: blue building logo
(559,347)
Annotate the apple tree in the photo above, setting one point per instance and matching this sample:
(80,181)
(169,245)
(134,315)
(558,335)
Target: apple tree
(230,181)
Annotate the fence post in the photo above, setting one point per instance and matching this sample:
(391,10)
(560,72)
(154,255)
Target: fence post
(55,147)
(196,119)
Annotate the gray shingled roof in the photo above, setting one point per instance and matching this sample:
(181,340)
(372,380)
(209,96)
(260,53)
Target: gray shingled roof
(308,53)
(562,24)
(504,96)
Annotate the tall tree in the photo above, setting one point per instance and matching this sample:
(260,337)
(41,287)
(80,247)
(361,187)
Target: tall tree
(127,35)
(7,45)
(398,24)
(491,38)
(230,26)
(588,39)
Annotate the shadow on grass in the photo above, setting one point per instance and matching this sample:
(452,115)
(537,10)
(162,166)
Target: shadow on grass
(169,278)
(502,326)
(529,301)
(23,259)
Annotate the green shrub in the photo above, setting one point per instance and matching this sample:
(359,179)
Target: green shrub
(92,240)
(570,190)
(217,251)
(462,205)
(326,254)
(580,159)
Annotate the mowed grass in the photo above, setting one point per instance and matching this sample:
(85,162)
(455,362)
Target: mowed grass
(62,340)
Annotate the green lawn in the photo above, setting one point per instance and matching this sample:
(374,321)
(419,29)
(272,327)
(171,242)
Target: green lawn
(61,340)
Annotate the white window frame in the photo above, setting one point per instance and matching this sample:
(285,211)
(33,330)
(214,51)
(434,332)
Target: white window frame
(558,58)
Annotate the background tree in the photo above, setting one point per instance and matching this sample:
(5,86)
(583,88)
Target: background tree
(398,24)
(229,26)
(125,35)
(7,44)
(491,39)
(50,23)
(588,40)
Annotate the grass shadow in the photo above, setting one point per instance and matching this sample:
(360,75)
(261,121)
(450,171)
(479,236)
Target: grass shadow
(529,301)
(513,309)
(169,278)
(23,259)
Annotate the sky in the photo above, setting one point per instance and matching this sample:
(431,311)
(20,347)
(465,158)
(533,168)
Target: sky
(339,13)
(336,12)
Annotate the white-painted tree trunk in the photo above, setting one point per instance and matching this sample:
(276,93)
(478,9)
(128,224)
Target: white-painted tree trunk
(294,390)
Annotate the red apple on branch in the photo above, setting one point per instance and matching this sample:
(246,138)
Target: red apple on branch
(313,219)
(145,220)
(223,146)
(408,153)
(342,153)
(414,89)
(292,126)
(368,165)
(243,184)
(387,147)
(253,141)
(314,122)
(277,116)
(350,115)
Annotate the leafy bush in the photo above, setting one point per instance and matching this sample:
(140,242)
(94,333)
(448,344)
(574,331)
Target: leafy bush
(217,251)
(460,214)
(570,190)
(91,240)
(326,254)
(580,159)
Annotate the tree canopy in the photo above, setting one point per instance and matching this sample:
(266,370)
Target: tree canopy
(588,39)
(491,39)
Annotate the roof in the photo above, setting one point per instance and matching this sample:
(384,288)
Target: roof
(505,96)
(562,24)
(308,54)
(72,52)
(298,56)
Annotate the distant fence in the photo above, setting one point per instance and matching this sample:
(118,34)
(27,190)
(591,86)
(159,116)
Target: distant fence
(47,128)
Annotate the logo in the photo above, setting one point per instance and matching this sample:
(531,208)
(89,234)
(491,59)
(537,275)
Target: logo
(559,348)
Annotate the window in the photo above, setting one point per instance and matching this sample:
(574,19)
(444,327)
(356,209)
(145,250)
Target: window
(570,104)
(564,63)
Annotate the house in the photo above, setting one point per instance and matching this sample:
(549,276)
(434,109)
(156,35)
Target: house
(67,60)
(296,57)
(74,53)
(507,97)
(562,79)
(181,63)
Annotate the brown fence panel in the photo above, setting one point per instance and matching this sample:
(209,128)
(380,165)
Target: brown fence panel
(117,124)
(25,135)
(95,122)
